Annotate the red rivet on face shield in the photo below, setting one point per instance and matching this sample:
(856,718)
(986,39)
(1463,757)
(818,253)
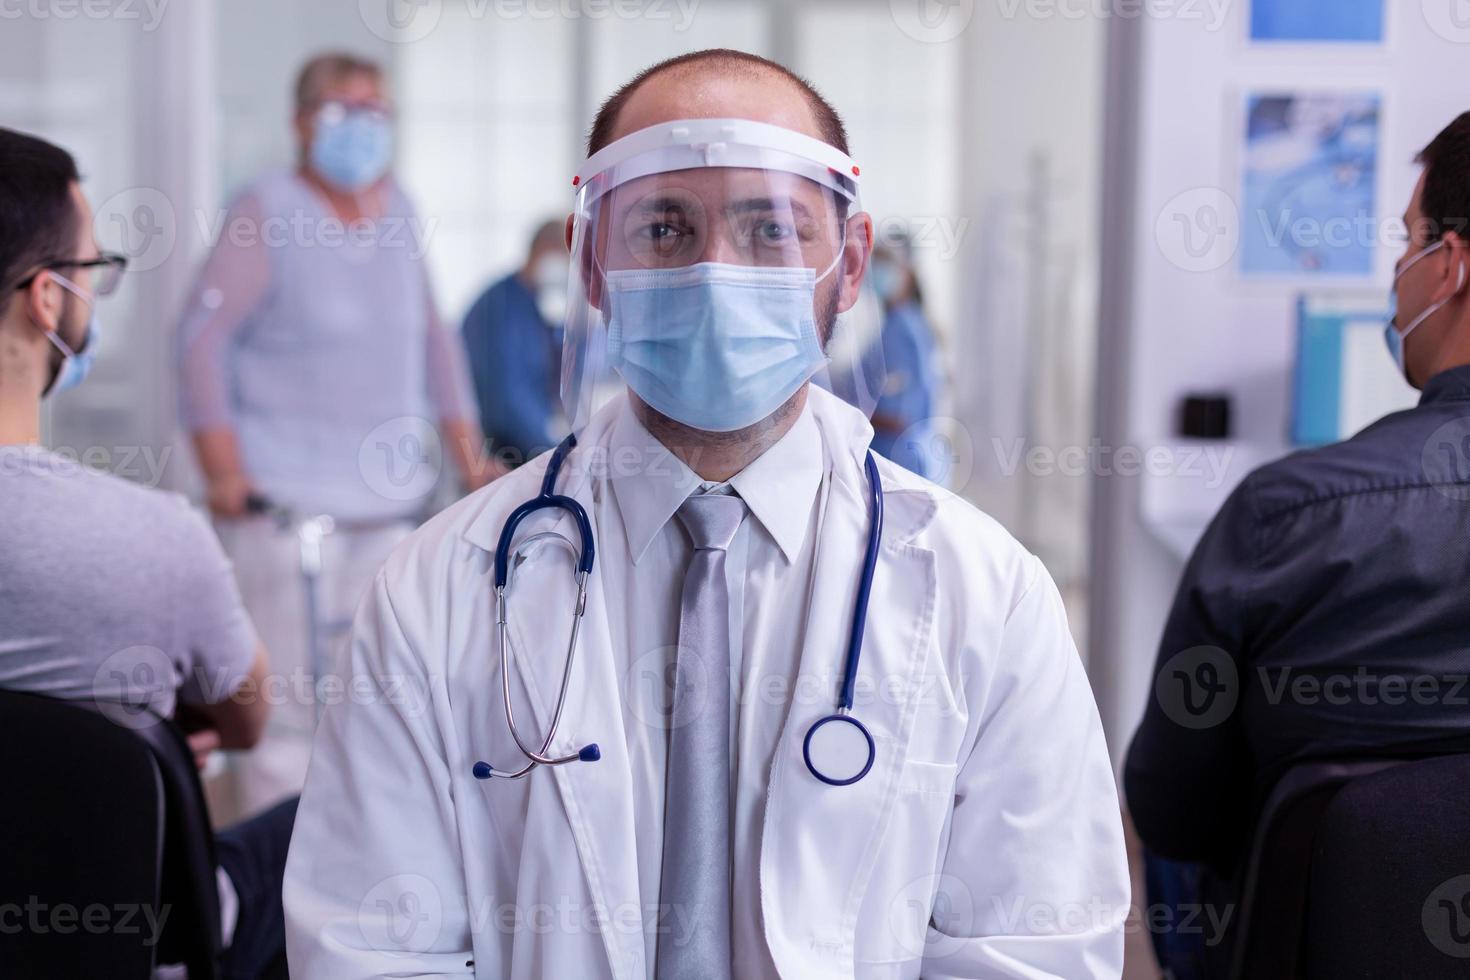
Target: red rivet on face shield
(855,171)
(576,181)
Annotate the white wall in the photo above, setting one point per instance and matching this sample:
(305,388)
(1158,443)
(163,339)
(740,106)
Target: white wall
(121,87)
(1030,115)
(1183,330)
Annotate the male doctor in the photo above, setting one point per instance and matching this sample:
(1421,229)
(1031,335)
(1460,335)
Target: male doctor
(727,789)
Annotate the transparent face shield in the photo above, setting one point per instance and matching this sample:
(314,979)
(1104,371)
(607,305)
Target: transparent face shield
(716,269)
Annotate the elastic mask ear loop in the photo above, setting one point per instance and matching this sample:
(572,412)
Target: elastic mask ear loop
(841,245)
(841,248)
(55,335)
(1423,254)
(1436,307)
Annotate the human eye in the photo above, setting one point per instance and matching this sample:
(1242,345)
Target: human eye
(664,233)
(774,231)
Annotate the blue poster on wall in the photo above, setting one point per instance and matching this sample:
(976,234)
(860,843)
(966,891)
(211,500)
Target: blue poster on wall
(1309,168)
(1350,21)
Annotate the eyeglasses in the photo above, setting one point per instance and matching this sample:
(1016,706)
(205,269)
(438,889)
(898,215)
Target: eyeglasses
(110,265)
(334,111)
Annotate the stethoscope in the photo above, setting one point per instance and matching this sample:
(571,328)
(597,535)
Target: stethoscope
(838,749)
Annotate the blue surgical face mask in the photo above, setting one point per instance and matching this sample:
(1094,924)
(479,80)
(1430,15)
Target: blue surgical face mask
(887,279)
(352,151)
(717,347)
(1393,337)
(75,364)
(549,275)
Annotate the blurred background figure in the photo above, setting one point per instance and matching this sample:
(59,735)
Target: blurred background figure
(513,338)
(904,419)
(314,370)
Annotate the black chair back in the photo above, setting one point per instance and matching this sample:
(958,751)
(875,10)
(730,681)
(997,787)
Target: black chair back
(1390,882)
(1358,869)
(1266,942)
(105,844)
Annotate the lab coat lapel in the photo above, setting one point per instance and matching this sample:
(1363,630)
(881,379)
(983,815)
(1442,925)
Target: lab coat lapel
(596,796)
(819,843)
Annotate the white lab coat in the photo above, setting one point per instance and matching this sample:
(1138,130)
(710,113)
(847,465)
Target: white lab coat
(985,841)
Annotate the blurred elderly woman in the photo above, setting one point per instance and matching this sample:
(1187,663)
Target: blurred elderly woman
(317,379)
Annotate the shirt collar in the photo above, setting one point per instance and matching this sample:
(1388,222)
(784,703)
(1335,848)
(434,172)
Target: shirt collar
(650,482)
(1451,385)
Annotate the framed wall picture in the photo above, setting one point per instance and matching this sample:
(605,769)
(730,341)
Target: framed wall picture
(1317,21)
(1309,169)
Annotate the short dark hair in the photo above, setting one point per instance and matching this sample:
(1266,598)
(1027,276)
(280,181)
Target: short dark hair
(829,123)
(38,219)
(1446,197)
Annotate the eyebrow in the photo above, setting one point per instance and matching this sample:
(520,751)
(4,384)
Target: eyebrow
(656,204)
(757,204)
(750,205)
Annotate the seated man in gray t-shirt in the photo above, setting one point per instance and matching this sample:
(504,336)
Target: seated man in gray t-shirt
(116,594)
(112,594)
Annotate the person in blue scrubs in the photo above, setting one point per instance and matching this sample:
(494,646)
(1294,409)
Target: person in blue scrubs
(512,335)
(903,420)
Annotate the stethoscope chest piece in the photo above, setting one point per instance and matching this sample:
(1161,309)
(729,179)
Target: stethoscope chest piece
(838,750)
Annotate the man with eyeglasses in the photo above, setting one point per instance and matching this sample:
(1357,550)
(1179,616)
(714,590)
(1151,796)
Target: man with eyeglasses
(76,361)
(111,594)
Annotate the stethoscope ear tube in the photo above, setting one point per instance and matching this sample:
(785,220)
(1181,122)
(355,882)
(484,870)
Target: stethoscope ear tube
(832,748)
(548,498)
(865,585)
(525,510)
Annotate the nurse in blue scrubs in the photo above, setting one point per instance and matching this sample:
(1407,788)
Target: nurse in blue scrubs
(903,421)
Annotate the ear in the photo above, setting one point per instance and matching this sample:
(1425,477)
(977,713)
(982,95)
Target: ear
(303,126)
(44,299)
(1457,269)
(857,252)
(584,258)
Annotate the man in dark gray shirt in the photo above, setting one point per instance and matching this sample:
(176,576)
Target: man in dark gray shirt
(1324,612)
(111,593)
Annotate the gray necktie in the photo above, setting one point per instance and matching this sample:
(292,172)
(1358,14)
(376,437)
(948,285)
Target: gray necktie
(694,893)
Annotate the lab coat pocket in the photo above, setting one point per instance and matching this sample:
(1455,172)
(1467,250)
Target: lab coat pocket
(895,913)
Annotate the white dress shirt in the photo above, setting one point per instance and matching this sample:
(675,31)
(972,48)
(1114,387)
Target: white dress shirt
(768,570)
